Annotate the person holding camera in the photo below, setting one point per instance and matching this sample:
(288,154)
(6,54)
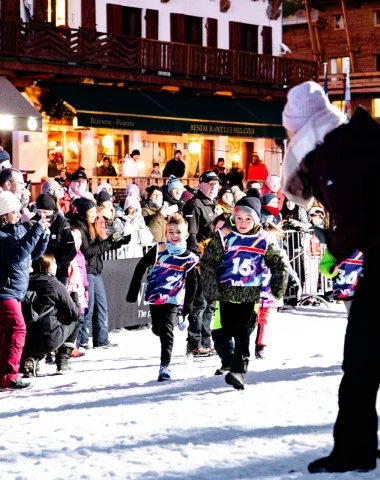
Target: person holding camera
(17,248)
(93,248)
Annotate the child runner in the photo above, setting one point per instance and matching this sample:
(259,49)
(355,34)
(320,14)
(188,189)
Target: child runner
(345,276)
(269,304)
(232,268)
(171,274)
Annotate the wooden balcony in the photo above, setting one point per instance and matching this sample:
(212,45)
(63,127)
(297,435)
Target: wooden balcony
(360,82)
(65,51)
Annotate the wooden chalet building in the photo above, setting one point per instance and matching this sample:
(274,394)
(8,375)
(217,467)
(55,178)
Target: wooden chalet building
(204,76)
(333,32)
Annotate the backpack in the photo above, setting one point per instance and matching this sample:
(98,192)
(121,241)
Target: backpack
(30,315)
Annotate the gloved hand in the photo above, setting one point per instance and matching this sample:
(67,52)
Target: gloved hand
(183,323)
(323,234)
(116,237)
(125,240)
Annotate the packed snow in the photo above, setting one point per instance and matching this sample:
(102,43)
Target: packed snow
(110,418)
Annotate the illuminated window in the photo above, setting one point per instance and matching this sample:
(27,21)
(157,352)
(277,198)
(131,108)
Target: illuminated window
(57,9)
(376,107)
(339,104)
(339,65)
(339,22)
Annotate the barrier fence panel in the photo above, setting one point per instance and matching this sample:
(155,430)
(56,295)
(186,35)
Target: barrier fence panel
(305,253)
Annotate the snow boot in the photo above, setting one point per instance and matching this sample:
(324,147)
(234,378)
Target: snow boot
(331,464)
(18,384)
(31,367)
(164,373)
(239,367)
(222,370)
(62,360)
(259,352)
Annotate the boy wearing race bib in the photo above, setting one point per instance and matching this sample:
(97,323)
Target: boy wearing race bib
(345,275)
(170,287)
(231,271)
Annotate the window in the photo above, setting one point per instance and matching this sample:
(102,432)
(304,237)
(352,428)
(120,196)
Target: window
(377,57)
(339,65)
(151,19)
(339,104)
(186,29)
(377,17)
(376,107)
(267,40)
(243,37)
(56,12)
(123,20)
(339,22)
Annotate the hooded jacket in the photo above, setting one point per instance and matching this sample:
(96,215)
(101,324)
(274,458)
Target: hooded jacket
(47,332)
(91,249)
(17,248)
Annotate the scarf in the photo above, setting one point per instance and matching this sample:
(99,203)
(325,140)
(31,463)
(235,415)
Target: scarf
(275,211)
(152,204)
(176,249)
(295,178)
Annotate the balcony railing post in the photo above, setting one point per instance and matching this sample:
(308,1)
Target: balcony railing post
(234,57)
(188,59)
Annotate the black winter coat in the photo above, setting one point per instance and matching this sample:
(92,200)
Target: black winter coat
(17,248)
(199,213)
(61,244)
(91,249)
(47,333)
(341,172)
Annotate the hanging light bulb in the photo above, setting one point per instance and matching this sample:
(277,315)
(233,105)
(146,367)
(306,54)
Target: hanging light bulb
(107,141)
(194,148)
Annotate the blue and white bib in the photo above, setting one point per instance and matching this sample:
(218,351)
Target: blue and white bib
(349,271)
(167,277)
(243,260)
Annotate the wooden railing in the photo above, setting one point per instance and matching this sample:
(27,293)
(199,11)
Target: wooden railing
(86,47)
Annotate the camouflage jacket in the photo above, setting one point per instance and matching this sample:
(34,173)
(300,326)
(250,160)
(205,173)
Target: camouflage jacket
(213,290)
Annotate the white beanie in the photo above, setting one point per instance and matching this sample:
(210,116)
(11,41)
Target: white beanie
(304,101)
(9,203)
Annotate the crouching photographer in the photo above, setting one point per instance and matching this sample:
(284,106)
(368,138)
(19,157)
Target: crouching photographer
(52,318)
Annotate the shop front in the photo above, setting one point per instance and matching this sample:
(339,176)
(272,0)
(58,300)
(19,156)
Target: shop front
(111,122)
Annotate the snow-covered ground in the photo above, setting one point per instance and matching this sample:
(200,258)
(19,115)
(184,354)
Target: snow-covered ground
(110,418)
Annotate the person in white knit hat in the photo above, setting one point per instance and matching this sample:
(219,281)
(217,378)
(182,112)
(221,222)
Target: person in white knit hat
(17,248)
(336,160)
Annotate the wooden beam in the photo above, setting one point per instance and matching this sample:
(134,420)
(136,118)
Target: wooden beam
(311,30)
(349,45)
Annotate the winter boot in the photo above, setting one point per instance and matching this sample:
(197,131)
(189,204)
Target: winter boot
(62,360)
(31,367)
(259,352)
(222,370)
(239,367)
(18,384)
(164,373)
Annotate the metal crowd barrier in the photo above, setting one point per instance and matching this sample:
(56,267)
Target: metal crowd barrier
(305,254)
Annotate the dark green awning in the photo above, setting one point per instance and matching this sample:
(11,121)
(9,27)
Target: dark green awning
(119,108)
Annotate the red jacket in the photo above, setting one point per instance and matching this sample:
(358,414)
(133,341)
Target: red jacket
(257,172)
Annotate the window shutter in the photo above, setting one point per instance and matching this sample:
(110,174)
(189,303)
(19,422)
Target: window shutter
(212,32)
(267,40)
(40,10)
(88,14)
(152,24)
(236,36)
(114,19)
(10,11)
(177,27)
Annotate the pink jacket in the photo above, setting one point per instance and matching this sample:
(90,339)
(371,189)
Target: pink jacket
(78,279)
